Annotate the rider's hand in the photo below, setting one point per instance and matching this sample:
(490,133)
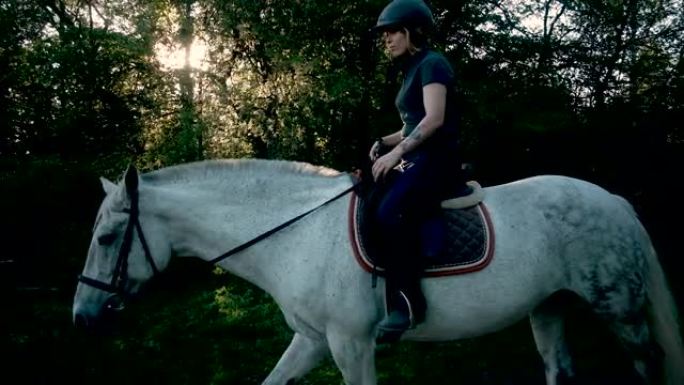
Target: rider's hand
(375,150)
(385,163)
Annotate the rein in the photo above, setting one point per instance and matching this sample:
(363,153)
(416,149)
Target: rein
(283,225)
(120,276)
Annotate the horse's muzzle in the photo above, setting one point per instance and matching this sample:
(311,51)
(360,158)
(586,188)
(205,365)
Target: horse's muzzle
(88,320)
(81,322)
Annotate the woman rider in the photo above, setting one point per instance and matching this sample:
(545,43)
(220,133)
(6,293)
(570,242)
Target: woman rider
(425,149)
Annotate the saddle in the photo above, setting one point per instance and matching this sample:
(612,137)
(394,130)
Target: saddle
(469,246)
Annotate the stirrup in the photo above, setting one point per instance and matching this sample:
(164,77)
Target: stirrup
(396,322)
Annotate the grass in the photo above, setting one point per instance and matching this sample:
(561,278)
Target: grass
(206,328)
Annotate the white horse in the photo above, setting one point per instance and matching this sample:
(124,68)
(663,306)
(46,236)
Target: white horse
(553,234)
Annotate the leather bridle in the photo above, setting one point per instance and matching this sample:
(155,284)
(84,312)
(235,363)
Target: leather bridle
(120,276)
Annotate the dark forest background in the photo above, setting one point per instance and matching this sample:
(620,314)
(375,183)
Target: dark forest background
(587,88)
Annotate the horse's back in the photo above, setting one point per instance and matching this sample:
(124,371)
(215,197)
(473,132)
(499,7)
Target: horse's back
(572,201)
(568,207)
(546,188)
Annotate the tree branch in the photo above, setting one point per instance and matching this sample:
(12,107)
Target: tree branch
(60,11)
(556,19)
(510,20)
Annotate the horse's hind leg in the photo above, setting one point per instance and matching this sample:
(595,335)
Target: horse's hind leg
(622,304)
(299,358)
(633,333)
(548,328)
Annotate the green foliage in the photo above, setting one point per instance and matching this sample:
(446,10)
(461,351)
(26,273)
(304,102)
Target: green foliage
(291,79)
(48,208)
(302,82)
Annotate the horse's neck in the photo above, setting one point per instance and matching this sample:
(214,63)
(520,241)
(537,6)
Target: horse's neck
(206,222)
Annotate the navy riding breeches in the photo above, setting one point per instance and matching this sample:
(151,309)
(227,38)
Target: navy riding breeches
(409,214)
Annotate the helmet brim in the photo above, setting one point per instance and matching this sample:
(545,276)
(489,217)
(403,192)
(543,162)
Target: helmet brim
(380,28)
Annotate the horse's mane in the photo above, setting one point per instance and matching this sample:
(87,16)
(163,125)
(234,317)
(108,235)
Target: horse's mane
(223,168)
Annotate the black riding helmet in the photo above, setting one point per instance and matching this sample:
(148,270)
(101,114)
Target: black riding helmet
(405,13)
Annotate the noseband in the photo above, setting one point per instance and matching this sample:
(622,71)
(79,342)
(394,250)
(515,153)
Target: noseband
(120,275)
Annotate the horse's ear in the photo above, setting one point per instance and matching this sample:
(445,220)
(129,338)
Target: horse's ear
(107,186)
(131,180)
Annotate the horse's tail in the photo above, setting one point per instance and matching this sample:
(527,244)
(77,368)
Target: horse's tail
(664,322)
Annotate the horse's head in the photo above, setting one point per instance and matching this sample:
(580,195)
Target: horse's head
(128,248)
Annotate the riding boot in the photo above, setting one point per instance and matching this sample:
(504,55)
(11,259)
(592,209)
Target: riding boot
(406,310)
(405,301)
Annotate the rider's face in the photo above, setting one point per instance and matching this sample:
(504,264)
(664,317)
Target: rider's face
(396,42)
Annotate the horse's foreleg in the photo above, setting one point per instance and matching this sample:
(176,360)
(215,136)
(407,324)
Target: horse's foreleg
(299,358)
(548,328)
(354,357)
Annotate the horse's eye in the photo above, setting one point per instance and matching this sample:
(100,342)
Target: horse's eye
(106,239)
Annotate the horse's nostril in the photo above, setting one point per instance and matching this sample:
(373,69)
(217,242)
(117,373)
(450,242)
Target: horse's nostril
(80,321)
(115,304)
